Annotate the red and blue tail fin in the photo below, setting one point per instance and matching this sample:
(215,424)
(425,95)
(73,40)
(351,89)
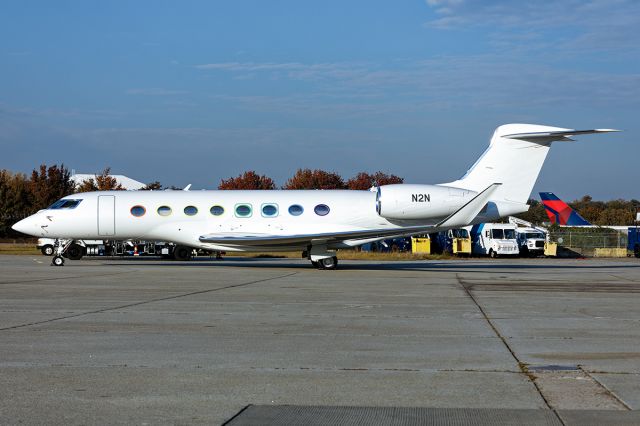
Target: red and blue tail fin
(559,212)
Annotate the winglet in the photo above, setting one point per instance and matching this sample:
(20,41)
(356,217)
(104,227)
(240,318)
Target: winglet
(186,188)
(465,214)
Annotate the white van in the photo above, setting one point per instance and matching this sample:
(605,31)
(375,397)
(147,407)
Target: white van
(494,239)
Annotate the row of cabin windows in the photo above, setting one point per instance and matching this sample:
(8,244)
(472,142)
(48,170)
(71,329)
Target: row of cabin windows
(241,210)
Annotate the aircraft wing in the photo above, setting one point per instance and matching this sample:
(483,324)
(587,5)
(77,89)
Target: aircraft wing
(270,240)
(462,217)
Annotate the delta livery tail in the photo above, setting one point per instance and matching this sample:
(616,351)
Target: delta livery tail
(559,212)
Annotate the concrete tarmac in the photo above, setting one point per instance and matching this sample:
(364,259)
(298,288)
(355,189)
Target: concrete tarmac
(147,341)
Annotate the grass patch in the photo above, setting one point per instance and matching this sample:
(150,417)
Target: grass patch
(19,248)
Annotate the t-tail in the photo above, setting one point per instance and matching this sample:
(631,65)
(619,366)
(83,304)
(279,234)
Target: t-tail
(559,212)
(514,158)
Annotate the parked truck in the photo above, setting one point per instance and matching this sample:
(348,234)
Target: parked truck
(531,239)
(633,240)
(494,239)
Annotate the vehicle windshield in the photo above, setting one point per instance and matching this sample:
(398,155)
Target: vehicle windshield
(64,204)
(534,235)
(460,233)
(509,234)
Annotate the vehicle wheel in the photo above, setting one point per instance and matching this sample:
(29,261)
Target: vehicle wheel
(492,254)
(182,253)
(75,252)
(525,252)
(57,261)
(328,263)
(47,250)
(636,251)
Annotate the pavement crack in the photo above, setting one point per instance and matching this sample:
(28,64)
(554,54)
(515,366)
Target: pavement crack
(605,388)
(145,302)
(521,365)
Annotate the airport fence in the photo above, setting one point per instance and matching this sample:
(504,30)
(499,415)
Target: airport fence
(589,240)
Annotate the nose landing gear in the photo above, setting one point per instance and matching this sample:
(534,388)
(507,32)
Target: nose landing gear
(60,247)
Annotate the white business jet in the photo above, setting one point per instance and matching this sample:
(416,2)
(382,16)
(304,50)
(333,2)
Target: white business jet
(316,222)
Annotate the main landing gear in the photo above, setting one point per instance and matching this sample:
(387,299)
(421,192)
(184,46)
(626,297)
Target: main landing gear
(321,258)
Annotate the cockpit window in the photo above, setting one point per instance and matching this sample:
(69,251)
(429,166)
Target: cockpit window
(64,204)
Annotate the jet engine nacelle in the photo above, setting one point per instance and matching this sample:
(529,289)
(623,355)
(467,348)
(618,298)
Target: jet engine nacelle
(420,201)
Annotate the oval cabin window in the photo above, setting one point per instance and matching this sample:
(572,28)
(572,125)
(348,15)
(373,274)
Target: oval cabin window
(217,210)
(190,211)
(321,210)
(243,210)
(164,210)
(296,210)
(269,210)
(138,211)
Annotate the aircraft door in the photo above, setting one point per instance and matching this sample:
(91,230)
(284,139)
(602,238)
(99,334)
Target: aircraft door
(106,215)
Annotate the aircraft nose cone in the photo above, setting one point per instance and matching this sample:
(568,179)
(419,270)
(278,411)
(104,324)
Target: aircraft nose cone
(26,226)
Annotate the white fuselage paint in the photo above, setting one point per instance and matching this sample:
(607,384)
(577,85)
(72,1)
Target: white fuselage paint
(349,211)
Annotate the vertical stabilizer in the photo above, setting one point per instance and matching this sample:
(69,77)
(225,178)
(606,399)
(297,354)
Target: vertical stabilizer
(514,158)
(559,212)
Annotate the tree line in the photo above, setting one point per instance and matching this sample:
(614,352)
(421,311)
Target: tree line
(22,195)
(602,213)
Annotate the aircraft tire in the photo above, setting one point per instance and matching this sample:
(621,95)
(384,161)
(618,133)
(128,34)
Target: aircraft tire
(182,253)
(57,261)
(47,250)
(328,263)
(75,252)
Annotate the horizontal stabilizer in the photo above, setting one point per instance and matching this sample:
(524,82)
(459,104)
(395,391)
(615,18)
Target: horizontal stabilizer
(557,135)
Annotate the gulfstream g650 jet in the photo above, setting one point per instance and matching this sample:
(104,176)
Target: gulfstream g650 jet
(316,222)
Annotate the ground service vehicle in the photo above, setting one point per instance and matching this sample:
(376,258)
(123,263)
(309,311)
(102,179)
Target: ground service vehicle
(530,238)
(633,240)
(494,239)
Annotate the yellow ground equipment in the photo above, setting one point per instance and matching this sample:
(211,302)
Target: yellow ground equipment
(420,245)
(461,246)
(550,249)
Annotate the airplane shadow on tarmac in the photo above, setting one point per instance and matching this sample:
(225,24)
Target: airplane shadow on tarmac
(479,265)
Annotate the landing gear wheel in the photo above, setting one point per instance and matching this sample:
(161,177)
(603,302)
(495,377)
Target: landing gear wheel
(182,253)
(328,263)
(47,250)
(57,261)
(75,252)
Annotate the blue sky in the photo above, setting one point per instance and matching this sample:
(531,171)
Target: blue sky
(196,91)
